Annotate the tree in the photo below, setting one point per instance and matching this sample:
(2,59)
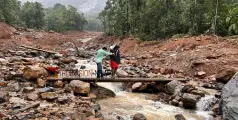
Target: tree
(33,15)
(61,18)
(154,19)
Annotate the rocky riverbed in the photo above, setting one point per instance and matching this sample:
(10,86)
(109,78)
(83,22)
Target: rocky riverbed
(207,62)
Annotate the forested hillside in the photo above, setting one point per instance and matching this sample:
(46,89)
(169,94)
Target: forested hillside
(153,19)
(32,15)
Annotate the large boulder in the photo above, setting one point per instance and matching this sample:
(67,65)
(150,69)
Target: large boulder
(136,86)
(190,100)
(229,99)
(80,87)
(34,72)
(225,74)
(100,92)
(121,73)
(171,86)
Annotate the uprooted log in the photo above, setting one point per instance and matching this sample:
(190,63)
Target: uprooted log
(28,47)
(162,80)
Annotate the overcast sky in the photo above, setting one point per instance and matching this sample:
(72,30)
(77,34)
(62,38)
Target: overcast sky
(81,5)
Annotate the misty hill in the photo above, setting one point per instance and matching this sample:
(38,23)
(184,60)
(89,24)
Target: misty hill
(85,6)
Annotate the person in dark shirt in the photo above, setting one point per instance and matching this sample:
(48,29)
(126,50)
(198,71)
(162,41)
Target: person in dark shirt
(115,59)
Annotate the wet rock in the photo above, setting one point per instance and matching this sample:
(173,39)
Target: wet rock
(175,102)
(100,92)
(49,96)
(32,96)
(34,72)
(41,82)
(59,84)
(225,74)
(179,117)
(139,116)
(190,100)
(136,86)
(28,89)
(171,86)
(3,97)
(229,99)
(121,73)
(219,86)
(80,87)
(158,87)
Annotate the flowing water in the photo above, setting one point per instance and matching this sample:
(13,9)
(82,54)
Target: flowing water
(126,104)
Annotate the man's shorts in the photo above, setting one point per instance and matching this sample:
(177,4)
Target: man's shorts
(113,64)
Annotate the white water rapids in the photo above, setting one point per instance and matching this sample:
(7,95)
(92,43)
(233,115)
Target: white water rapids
(126,104)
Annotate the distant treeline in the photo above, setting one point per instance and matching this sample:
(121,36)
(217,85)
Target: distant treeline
(153,19)
(32,15)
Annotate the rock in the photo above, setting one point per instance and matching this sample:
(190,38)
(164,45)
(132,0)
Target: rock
(229,99)
(13,87)
(190,100)
(27,84)
(80,87)
(159,87)
(96,107)
(171,86)
(34,72)
(179,117)
(198,92)
(32,96)
(151,75)
(49,96)
(100,92)
(3,97)
(51,31)
(225,74)
(58,84)
(188,88)
(62,99)
(3,83)
(139,116)
(174,102)
(58,55)
(121,73)
(201,74)
(136,86)
(68,60)
(28,89)
(3,61)
(166,71)
(41,82)
(219,86)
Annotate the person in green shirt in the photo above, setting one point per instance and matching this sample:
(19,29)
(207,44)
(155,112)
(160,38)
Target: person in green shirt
(101,53)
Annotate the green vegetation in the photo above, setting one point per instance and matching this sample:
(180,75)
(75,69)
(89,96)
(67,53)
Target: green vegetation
(61,18)
(153,19)
(32,15)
